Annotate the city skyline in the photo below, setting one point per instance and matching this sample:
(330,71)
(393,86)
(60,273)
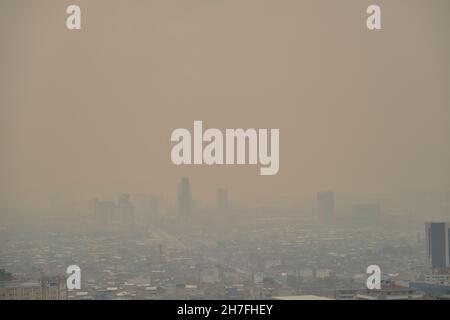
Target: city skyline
(225,150)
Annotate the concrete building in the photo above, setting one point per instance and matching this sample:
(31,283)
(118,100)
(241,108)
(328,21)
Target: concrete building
(438,245)
(47,288)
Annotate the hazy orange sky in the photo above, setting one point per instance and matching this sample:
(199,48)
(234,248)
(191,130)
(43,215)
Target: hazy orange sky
(90,113)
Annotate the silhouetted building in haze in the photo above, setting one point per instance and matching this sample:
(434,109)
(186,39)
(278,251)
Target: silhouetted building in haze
(146,207)
(184,197)
(366,213)
(222,200)
(325,205)
(125,209)
(103,211)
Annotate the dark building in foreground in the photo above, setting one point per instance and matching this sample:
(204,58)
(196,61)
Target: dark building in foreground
(438,245)
(103,211)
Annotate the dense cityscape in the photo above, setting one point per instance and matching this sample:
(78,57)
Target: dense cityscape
(132,249)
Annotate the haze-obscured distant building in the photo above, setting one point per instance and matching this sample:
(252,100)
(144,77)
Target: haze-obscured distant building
(125,209)
(184,197)
(222,200)
(325,205)
(397,218)
(103,211)
(367,213)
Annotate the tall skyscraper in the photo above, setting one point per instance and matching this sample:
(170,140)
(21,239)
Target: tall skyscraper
(184,197)
(325,205)
(438,245)
(125,209)
(222,200)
